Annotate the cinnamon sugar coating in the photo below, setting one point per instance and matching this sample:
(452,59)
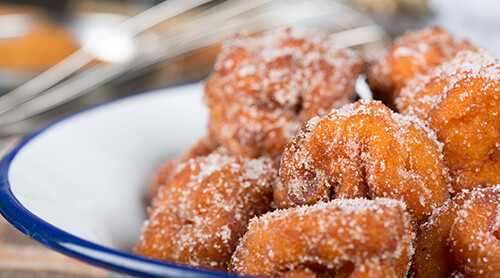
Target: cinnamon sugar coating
(414,53)
(264,87)
(460,101)
(342,238)
(365,150)
(199,216)
(461,238)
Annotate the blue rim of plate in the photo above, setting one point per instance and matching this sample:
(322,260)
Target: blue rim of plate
(56,239)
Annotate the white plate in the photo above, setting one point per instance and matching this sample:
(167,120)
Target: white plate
(77,185)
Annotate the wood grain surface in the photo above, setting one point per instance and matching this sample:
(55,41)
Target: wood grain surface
(23,257)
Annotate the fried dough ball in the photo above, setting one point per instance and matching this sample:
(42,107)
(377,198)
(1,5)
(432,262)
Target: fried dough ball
(341,238)
(199,216)
(164,173)
(264,87)
(365,150)
(414,53)
(248,131)
(462,237)
(460,101)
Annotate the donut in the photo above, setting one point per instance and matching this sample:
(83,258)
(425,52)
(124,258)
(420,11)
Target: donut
(199,216)
(414,53)
(264,87)
(365,150)
(341,238)
(460,101)
(461,238)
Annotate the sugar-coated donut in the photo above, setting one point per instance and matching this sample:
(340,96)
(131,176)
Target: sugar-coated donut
(341,238)
(365,150)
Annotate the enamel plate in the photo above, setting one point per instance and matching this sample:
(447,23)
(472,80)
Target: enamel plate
(78,185)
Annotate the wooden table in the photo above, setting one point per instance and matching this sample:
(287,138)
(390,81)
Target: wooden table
(23,257)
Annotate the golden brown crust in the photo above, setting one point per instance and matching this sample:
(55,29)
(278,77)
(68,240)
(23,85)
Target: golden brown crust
(348,238)
(250,131)
(365,150)
(199,216)
(461,237)
(414,53)
(280,197)
(460,101)
(264,87)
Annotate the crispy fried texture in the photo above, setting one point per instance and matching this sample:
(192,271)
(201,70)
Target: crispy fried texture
(460,101)
(463,237)
(263,88)
(365,150)
(164,173)
(280,196)
(414,53)
(342,238)
(199,216)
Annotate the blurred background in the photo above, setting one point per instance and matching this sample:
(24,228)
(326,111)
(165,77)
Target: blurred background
(60,56)
(112,48)
(105,49)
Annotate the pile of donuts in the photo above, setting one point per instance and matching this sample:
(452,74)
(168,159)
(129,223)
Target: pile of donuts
(298,178)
